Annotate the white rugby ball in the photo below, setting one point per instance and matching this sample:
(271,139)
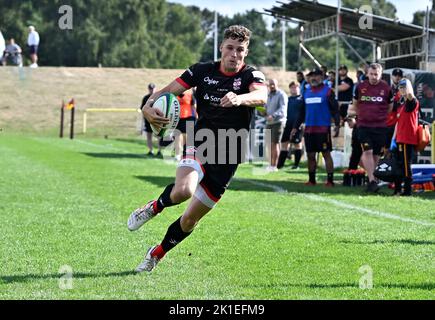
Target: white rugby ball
(169,106)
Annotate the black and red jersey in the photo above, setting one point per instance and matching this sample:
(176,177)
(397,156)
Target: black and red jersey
(212,85)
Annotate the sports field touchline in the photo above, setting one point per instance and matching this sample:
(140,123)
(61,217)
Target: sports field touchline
(339,203)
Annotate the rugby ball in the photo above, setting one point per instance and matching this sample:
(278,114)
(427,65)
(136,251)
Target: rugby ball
(169,106)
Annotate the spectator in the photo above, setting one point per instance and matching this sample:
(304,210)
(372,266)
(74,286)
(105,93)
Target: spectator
(33,43)
(345,89)
(406,135)
(293,109)
(373,100)
(276,110)
(13,54)
(319,106)
(2,47)
(147,127)
(187,118)
(331,79)
(365,70)
(397,75)
(325,72)
(355,157)
(302,81)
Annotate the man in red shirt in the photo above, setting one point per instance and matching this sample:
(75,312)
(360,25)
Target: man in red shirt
(373,100)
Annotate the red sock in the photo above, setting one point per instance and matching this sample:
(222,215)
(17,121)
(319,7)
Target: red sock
(158,252)
(156,208)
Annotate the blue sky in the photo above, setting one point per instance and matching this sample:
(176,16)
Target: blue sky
(405,8)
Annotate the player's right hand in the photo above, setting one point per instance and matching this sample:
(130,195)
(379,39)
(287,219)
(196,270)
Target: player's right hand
(154,117)
(293,132)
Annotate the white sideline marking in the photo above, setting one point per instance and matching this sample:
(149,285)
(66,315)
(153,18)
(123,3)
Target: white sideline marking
(340,204)
(108,147)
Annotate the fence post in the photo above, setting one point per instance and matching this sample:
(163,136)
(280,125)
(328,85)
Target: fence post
(62,112)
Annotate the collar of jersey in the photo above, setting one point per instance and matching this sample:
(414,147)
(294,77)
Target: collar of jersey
(230,74)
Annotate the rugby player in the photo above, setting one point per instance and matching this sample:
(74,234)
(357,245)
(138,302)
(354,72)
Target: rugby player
(227,92)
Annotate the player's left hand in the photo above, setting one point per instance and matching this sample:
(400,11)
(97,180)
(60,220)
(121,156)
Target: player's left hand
(230,100)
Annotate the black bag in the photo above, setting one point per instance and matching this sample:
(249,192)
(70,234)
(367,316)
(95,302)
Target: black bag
(388,169)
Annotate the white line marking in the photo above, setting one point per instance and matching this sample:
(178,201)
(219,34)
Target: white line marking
(340,204)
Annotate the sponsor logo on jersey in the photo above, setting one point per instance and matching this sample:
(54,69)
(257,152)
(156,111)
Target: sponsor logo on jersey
(237,83)
(210,82)
(213,99)
(313,100)
(372,99)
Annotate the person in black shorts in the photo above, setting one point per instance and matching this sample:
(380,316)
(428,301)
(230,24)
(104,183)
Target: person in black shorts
(373,101)
(293,109)
(147,127)
(227,93)
(318,108)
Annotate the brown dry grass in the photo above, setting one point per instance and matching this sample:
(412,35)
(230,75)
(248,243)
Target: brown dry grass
(30,99)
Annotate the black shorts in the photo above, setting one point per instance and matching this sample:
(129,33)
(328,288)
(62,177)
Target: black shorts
(318,142)
(214,178)
(217,178)
(183,123)
(343,110)
(297,138)
(372,139)
(33,49)
(147,127)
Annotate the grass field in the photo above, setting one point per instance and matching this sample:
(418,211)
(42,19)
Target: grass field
(66,203)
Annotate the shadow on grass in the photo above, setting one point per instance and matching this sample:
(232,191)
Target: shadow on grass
(395,241)
(158,181)
(80,275)
(112,155)
(141,142)
(415,286)
(260,185)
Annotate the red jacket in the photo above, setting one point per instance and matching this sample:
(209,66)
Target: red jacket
(407,122)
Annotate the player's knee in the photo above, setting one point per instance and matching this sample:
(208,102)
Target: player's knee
(183,192)
(188,223)
(311,156)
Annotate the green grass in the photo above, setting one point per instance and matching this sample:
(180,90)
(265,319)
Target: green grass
(66,202)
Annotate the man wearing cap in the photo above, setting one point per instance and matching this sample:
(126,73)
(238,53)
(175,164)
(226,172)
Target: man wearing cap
(396,77)
(373,100)
(345,90)
(318,107)
(303,83)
